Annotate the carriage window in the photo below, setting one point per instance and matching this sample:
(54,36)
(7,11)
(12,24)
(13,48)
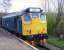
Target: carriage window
(43,17)
(27,18)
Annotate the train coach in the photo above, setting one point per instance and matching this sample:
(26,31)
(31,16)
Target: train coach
(30,24)
(0,21)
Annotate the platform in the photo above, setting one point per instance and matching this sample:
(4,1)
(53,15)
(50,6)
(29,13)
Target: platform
(8,41)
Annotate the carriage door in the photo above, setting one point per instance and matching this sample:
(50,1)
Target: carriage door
(26,21)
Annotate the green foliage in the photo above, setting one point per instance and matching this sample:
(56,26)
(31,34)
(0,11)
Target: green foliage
(60,27)
(55,41)
(51,19)
(55,29)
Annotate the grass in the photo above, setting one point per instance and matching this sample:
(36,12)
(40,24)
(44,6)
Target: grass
(56,42)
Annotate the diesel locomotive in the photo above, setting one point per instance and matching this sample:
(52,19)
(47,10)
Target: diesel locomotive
(30,24)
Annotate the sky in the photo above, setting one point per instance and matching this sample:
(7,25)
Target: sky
(18,5)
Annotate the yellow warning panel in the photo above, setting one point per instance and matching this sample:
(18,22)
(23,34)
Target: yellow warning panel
(43,29)
(26,28)
(35,26)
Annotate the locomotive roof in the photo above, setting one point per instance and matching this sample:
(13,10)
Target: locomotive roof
(22,12)
(33,9)
(12,14)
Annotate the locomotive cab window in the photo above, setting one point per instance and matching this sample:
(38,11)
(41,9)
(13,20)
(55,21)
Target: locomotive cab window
(43,17)
(27,18)
(35,15)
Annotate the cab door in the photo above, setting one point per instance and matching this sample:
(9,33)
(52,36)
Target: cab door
(26,21)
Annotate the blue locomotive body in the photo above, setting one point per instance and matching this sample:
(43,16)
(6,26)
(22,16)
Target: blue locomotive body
(12,22)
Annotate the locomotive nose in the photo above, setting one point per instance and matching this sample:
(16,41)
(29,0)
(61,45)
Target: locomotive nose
(29,30)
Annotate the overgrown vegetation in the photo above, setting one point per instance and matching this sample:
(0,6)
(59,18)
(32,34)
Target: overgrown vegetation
(55,29)
(56,42)
(51,19)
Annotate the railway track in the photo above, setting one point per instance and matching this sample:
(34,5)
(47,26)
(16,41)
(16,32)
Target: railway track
(35,47)
(42,48)
(39,47)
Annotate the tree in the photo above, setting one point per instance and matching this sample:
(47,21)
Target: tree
(60,29)
(5,5)
(60,19)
